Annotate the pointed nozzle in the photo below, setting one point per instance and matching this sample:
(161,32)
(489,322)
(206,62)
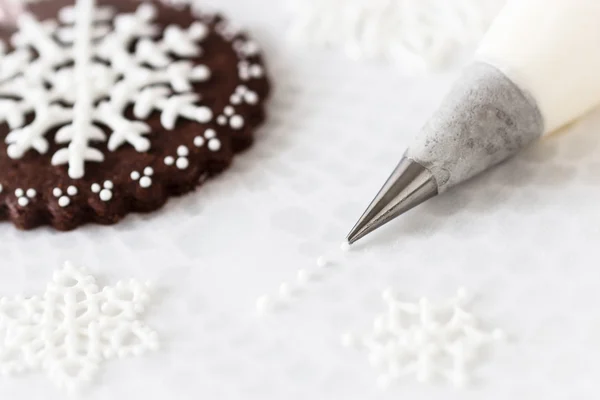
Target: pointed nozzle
(409,185)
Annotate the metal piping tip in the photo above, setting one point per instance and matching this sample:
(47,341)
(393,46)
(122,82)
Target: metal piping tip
(409,185)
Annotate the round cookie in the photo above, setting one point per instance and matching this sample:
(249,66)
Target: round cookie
(113,109)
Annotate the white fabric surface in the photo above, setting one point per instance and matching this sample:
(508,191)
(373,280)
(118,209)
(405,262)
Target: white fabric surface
(524,238)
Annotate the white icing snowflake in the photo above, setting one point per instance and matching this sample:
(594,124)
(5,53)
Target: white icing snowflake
(425,339)
(82,74)
(73,326)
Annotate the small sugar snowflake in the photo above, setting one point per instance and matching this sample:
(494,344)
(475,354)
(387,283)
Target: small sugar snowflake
(72,327)
(424,339)
(82,74)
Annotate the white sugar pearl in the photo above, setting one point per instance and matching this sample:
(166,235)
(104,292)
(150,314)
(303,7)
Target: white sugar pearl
(221,120)
(214,144)
(148,171)
(72,190)
(96,188)
(235,99)
(256,71)
(108,185)
(322,261)
(345,246)
(23,201)
(264,304)
(105,195)
(251,98)
(135,175)
(198,141)
(56,192)
(19,192)
(251,48)
(229,111)
(182,151)
(31,193)
(169,160)
(236,122)
(182,163)
(241,89)
(64,201)
(210,133)
(146,182)
(1,188)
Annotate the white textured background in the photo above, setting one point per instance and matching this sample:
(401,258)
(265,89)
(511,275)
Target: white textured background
(523,237)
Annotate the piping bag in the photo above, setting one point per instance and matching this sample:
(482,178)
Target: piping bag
(536,70)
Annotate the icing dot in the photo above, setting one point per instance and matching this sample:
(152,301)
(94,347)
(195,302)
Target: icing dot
(105,195)
(322,261)
(108,185)
(236,122)
(345,246)
(264,304)
(182,151)
(256,71)
(135,175)
(201,72)
(148,171)
(349,340)
(285,290)
(182,163)
(251,98)
(72,190)
(169,160)
(64,201)
(198,141)
(214,144)
(251,48)
(96,188)
(303,276)
(23,201)
(221,120)
(56,192)
(210,133)
(229,111)
(145,182)
(31,193)
(19,192)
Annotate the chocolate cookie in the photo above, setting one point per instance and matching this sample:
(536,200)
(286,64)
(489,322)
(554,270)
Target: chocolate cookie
(112,108)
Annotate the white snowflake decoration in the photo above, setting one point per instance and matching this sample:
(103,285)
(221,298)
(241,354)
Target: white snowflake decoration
(73,327)
(85,77)
(427,340)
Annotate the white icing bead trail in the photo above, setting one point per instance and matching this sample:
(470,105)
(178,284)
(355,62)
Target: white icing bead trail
(424,339)
(105,191)
(69,99)
(145,180)
(304,278)
(415,34)
(96,324)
